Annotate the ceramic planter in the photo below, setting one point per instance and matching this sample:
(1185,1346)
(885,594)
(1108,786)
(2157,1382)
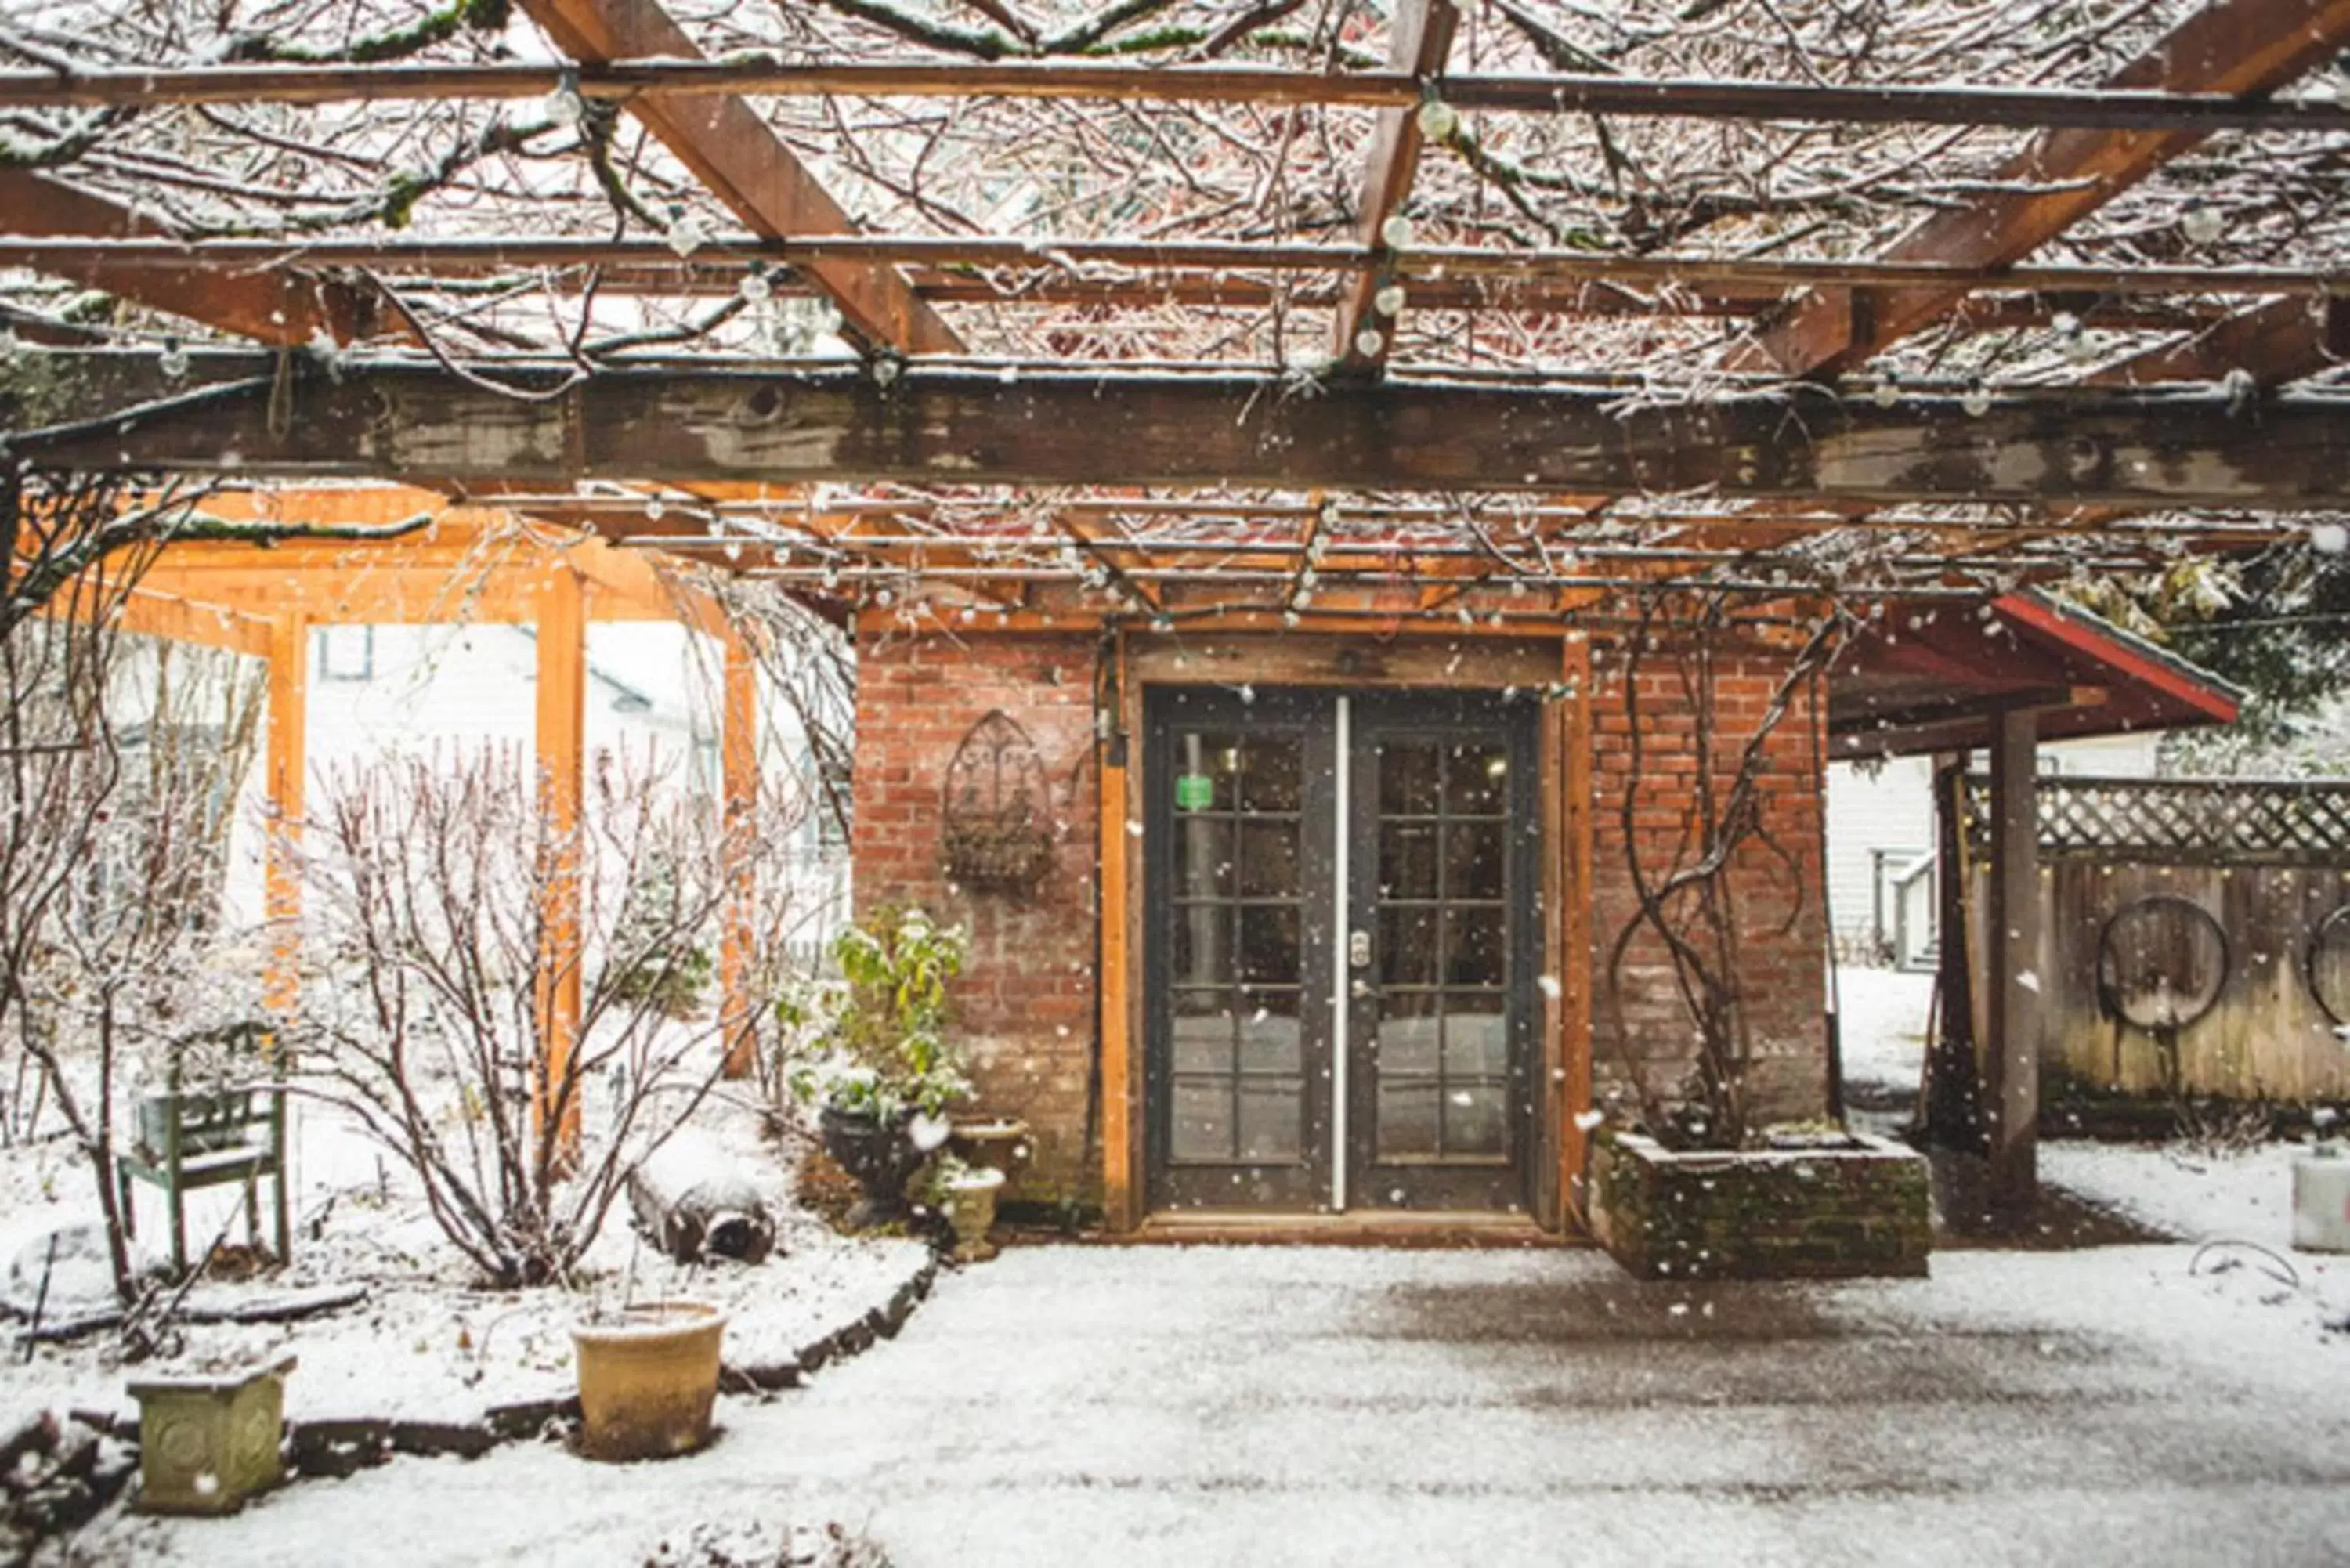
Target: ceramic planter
(647,1381)
(879,1155)
(968,1201)
(1855,1207)
(206,1444)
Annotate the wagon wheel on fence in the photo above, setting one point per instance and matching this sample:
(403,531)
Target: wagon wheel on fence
(2162,963)
(2325,968)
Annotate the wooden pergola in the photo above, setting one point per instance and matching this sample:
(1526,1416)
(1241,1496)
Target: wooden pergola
(1099,412)
(448,564)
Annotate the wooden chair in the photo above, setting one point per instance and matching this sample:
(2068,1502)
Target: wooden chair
(209,1138)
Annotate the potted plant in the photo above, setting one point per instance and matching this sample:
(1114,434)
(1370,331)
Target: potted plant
(648,1380)
(886,1074)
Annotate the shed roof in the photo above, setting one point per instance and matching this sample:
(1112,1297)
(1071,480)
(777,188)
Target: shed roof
(1935,677)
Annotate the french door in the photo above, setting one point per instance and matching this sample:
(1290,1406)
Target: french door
(1340,948)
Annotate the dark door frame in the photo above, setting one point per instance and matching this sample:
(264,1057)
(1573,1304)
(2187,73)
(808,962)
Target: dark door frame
(1307,1185)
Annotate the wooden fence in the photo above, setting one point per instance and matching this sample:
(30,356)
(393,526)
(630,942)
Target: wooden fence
(2195,936)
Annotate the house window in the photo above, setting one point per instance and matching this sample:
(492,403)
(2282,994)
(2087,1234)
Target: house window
(346,653)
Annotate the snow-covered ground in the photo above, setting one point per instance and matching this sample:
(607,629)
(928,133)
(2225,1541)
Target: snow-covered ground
(1205,1405)
(426,1344)
(1881,1017)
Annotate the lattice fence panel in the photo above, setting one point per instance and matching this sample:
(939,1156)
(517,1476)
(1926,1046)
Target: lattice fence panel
(2185,819)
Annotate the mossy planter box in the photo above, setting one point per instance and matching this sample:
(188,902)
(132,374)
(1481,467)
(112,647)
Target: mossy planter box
(1853,1208)
(206,1444)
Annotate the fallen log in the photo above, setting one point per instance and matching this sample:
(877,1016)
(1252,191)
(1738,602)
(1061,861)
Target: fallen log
(695,1201)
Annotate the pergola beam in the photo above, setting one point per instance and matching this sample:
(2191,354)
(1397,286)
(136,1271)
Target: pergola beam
(632,82)
(105,412)
(743,162)
(1423,265)
(2231,46)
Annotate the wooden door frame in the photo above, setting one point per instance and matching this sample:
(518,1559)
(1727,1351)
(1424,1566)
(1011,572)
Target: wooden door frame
(1561,664)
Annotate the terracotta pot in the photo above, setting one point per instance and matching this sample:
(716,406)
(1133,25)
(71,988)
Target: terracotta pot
(880,1155)
(969,1204)
(647,1381)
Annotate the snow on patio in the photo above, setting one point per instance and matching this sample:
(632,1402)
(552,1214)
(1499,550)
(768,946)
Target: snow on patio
(1235,1406)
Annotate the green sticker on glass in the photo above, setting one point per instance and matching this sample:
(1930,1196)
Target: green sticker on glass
(1194,792)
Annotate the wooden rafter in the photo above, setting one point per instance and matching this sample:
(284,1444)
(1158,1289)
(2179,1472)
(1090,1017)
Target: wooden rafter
(1419,41)
(275,306)
(2281,340)
(2236,46)
(745,165)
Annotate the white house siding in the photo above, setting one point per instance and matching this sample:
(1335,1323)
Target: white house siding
(651,699)
(1891,810)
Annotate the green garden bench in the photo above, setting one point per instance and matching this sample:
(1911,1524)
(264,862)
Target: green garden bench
(197,1138)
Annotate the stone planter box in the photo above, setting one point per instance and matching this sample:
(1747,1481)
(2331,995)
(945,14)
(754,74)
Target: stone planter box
(206,1444)
(1856,1208)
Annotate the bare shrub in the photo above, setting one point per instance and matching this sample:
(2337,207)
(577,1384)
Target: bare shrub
(438,957)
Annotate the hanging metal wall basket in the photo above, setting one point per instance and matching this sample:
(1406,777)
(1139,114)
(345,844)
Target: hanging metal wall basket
(995,838)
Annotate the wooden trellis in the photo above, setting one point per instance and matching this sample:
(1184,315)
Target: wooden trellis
(2195,821)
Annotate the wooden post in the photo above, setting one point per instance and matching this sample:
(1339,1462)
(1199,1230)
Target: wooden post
(561,736)
(287,770)
(2010,949)
(1952,1110)
(1118,1195)
(739,764)
(1574,959)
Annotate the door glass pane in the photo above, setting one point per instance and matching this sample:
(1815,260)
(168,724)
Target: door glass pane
(1203,856)
(1407,939)
(1411,1121)
(1476,780)
(1269,942)
(1272,774)
(1475,939)
(1408,860)
(1203,1032)
(1272,1120)
(1411,1034)
(1476,1036)
(1269,859)
(1236,1059)
(1473,859)
(1202,953)
(1410,774)
(1442,1053)
(1269,1033)
(1203,1119)
(1476,1120)
(1207,771)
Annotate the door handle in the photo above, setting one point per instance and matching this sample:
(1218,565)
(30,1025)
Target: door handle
(1360,989)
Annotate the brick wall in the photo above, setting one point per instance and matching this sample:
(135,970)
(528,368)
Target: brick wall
(1778,890)
(1024,1004)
